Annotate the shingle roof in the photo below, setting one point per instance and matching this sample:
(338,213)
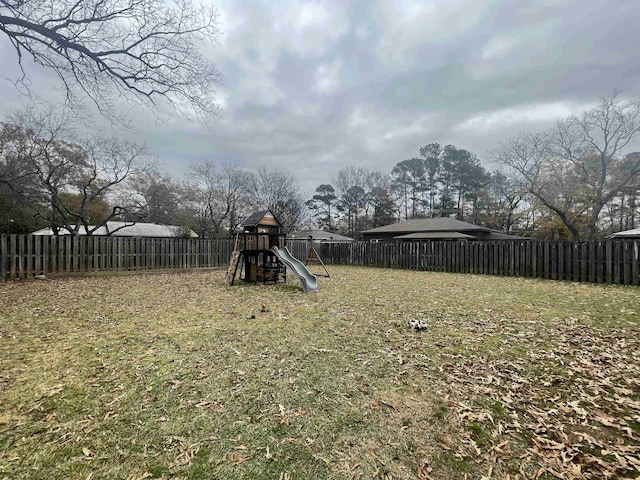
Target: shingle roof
(627,234)
(441,224)
(125,229)
(493,235)
(254,219)
(434,236)
(320,235)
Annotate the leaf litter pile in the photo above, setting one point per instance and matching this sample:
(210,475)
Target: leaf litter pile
(179,376)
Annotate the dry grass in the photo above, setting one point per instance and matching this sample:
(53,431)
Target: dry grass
(165,376)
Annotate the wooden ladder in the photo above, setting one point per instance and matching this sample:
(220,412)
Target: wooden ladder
(233,267)
(233,264)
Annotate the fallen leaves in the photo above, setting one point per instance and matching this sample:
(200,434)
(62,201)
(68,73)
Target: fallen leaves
(88,453)
(424,471)
(513,378)
(575,403)
(238,459)
(185,454)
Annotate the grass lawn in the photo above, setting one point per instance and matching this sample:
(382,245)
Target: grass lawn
(167,376)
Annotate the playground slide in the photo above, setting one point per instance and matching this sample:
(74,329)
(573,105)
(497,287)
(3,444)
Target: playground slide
(309,282)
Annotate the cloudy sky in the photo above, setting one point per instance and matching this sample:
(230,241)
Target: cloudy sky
(317,86)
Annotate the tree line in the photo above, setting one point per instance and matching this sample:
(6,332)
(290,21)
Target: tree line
(573,181)
(50,176)
(576,180)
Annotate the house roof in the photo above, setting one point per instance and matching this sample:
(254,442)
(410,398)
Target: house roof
(634,233)
(440,228)
(440,224)
(125,229)
(320,235)
(434,236)
(493,235)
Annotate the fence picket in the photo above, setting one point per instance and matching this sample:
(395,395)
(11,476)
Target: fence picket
(567,247)
(626,263)
(4,263)
(23,259)
(635,263)
(614,261)
(29,259)
(13,251)
(38,253)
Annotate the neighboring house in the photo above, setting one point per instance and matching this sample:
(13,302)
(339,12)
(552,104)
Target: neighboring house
(634,234)
(320,236)
(441,228)
(127,229)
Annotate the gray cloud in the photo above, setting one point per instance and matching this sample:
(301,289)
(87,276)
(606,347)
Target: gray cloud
(318,86)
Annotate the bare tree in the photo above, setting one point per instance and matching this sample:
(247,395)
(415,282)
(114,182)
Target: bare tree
(379,207)
(354,184)
(219,195)
(592,143)
(151,197)
(350,177)
(577,167)
(505,197)
(527,154)
(365,199)
(145,50)
(65,180)
(276,189)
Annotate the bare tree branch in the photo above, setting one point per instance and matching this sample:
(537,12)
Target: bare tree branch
(144,50)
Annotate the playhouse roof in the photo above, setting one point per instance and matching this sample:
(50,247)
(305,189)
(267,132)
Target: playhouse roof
(256,218)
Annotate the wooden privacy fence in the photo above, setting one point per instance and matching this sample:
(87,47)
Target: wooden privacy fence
(614,261)
(27,256)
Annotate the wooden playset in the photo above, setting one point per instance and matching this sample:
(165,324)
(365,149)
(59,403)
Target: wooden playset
(252,259)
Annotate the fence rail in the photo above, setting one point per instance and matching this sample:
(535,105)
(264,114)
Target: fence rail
(616,261)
